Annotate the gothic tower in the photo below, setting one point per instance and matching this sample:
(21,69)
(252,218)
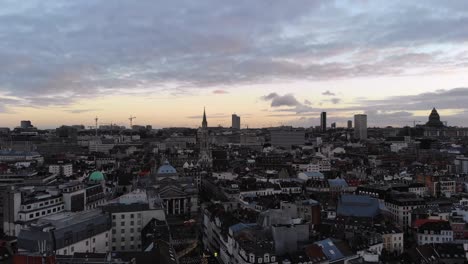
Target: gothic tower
(205,159)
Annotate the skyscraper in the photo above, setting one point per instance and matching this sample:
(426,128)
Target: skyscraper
(350,124)
(323,121)
(360,127)
(235,122)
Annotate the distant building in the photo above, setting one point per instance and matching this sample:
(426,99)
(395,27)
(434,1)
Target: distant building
(360,127)
(26,124)
(236,122)
(323,121)
(287,138)
(203,137)
(333,125)
(350,124)
(64,169)
(434,119)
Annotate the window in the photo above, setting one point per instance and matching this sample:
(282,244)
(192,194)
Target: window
(122,239)
(113,217)
(132,247)
(122,231)
(122,216)
(72,249)
(37,214)
(113,232)
(122,247)
(132,223)
(113,248)
(132,239)
(113,239)
(31,215)
(94,239)
(87,243)
(132,215)
(122,223)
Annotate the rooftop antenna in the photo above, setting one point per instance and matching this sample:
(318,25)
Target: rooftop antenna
(131,120)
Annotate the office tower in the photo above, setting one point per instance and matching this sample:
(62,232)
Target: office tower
(360,127)
(333,125)
(350,124)
(235,122)
(323,121)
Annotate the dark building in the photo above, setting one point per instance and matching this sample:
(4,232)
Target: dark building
(323,121)
(434,119)
(350,124)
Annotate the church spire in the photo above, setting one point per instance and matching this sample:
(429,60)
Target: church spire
(204,123)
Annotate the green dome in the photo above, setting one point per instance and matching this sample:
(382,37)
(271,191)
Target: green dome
(96,176)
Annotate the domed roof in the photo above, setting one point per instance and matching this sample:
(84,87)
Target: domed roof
(434,119)
(166,168)
(96,176)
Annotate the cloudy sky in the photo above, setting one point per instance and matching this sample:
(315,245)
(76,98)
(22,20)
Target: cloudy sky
(271,61)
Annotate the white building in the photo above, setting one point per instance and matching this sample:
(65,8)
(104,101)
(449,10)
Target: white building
(401,205)
(68,232)
(19,211)
(129,214)
(392,239)
(434,233)
(61,169)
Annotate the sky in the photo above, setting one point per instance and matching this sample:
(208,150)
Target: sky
(273,62)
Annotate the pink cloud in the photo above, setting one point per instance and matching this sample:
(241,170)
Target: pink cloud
(220,92)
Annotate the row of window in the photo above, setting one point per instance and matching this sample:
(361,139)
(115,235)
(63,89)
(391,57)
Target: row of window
(42,213)
(42,204)
(122,216)
(123,247)
(132,223)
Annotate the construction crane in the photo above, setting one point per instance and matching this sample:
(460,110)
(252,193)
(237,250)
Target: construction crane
(131,121)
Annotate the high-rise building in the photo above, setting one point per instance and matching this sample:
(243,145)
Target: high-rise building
(333,125)
(350,124)
(360,127)
(323,121)
(235,122)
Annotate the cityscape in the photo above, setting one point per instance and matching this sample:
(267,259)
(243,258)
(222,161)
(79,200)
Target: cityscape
(233,132)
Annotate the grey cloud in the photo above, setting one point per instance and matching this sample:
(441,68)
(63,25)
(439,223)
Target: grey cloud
(285,100)
(73,50)
(335,100)
(307,102)
(269,96)
(327,92)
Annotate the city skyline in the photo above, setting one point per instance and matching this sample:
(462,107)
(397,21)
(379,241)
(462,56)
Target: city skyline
(271,63)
